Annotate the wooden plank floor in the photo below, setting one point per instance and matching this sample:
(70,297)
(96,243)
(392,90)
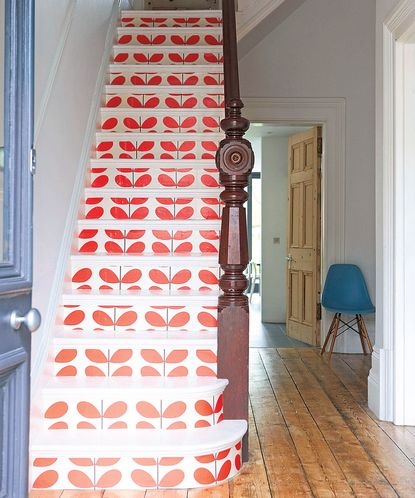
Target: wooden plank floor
(312,434)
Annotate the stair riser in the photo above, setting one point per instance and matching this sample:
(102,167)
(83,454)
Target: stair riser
(170,22)
(177,78)
(142,178)
(130,277)
(113,241)
(166,100)
(135,472)
(145,413)
(172,39)
(171,123)
(177,56)
(136,317)
(144,208)
(133,362)
(163,149)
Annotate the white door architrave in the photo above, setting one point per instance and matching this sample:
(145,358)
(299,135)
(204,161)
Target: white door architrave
(393,369)
(330,113)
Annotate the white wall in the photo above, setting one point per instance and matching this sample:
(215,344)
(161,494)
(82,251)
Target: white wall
(70,38)
(326,48)
(274,224)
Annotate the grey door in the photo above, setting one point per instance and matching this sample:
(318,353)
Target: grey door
(16,317)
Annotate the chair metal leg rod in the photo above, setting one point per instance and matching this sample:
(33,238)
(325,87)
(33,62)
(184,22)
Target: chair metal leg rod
(333,340)
(332,325)
(362,336)
(366,335)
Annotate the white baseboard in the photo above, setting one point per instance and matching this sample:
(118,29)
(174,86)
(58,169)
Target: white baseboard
(378,385)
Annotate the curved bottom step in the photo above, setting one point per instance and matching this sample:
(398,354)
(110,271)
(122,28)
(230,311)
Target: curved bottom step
(137,459)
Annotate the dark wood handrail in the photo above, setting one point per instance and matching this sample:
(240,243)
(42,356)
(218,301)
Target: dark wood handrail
(234,161)
(230,53)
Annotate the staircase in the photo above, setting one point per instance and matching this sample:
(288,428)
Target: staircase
(131,397)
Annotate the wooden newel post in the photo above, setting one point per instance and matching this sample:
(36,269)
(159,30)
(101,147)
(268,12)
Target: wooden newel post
(234,160)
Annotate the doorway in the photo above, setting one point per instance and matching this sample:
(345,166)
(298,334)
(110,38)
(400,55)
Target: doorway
(268,208)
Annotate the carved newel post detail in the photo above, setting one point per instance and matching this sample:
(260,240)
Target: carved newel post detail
(234,160)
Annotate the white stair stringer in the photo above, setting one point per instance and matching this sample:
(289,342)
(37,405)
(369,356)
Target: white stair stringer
(130,397)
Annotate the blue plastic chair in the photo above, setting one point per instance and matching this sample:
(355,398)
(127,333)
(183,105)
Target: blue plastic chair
(345,291)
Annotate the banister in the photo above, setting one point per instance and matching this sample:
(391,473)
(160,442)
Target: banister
(230,52)
(234,160)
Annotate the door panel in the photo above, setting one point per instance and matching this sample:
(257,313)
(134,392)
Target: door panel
(303,251)
(15,263)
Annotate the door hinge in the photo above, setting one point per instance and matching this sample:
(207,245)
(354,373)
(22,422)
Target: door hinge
(320,146)
(318,312)
(33,161)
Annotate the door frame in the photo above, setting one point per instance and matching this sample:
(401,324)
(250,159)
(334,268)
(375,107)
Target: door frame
(393,369)
(331,115)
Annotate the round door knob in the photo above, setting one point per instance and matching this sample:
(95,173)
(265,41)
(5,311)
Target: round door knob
(31,320)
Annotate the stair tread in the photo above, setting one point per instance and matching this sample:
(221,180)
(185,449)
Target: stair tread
(133,339)
(155,163)
(162,258)
(159,386)
(168,30)
(164,296)
(180,442)
(169,48)
(154,192)
(162,112)
(173,13)
(209,68)
(173,89)
(152,224)
(209,136)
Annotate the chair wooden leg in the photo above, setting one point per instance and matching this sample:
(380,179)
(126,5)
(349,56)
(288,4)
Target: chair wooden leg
(334,333)
(332,325)
(366,334)
(361,333)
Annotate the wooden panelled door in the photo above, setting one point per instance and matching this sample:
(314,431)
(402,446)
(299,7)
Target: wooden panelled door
(303,237)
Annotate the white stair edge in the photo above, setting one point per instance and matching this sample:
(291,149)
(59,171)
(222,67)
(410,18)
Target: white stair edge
(208,136)
(155,163)
(191,259)
(183,49)
(162,112)
(153,14)
(181,442)
(121,340)
(160,193)
(171,30)
(151,224)
(159,298)
(159,89)
(164,68)
(126,386)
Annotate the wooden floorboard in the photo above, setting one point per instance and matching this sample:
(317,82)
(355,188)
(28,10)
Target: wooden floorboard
(285,473)
(391,461)
(323,473)
(311,434)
